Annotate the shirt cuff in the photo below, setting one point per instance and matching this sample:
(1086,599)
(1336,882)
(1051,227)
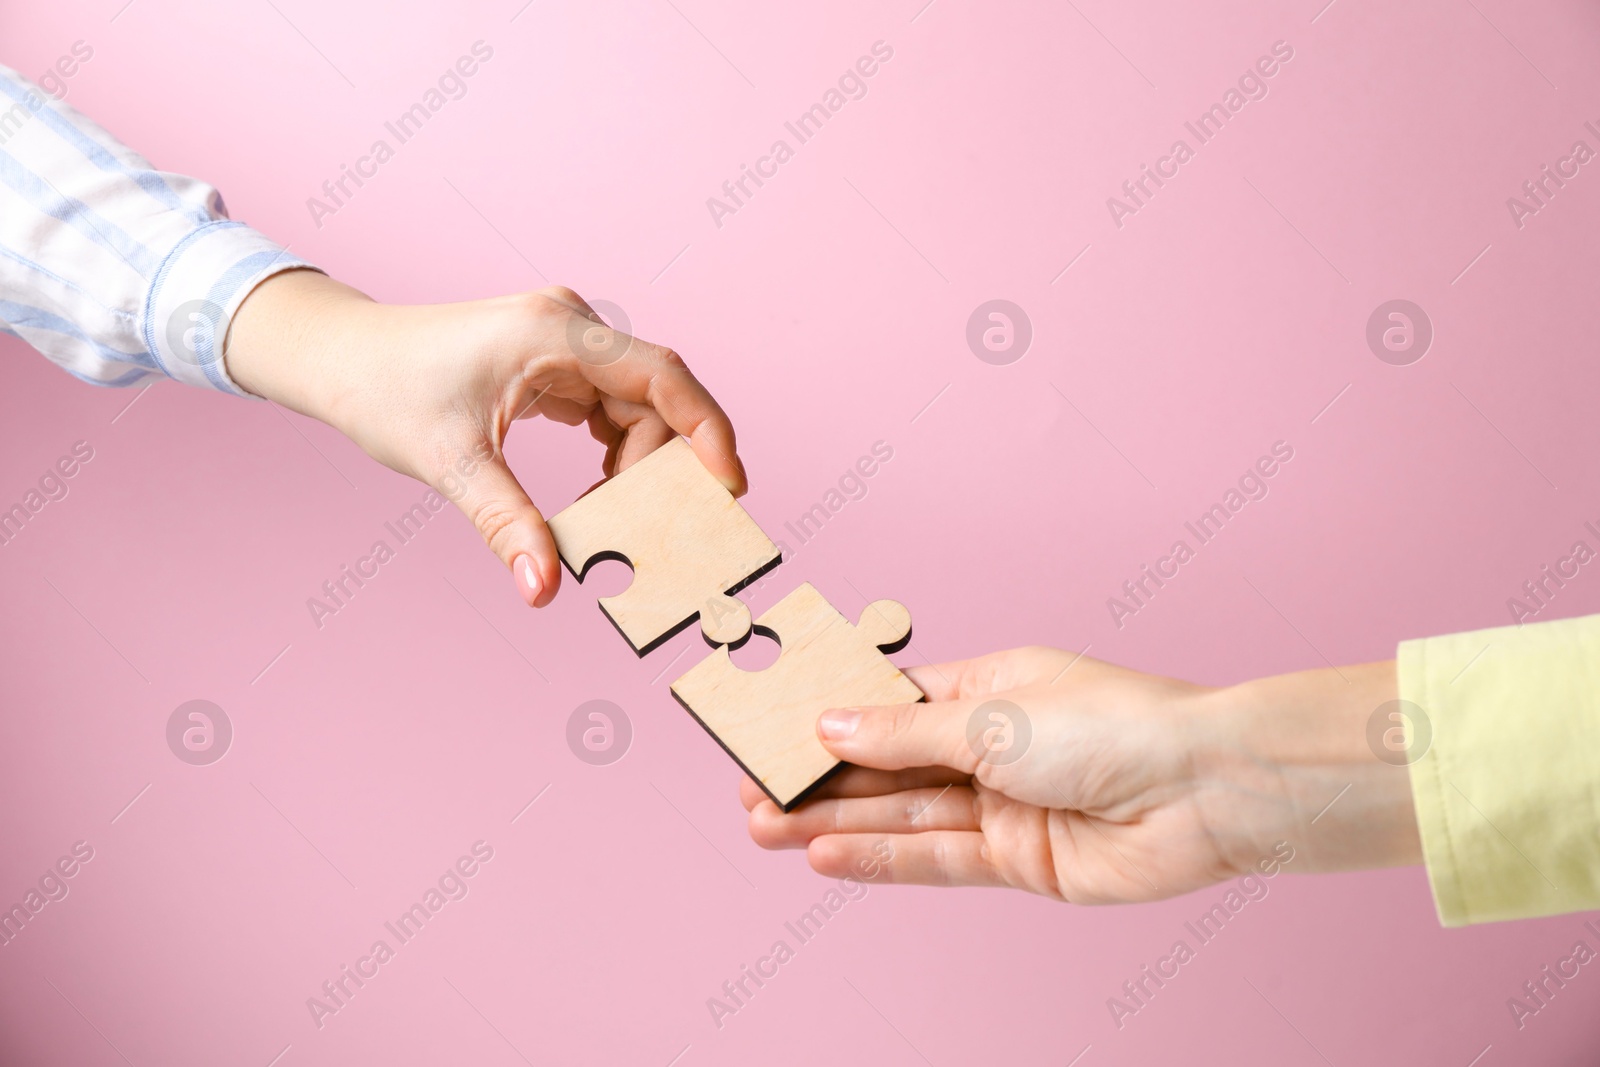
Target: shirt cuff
(1507,794)
(196,292)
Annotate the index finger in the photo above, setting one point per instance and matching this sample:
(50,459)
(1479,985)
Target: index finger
(650,374)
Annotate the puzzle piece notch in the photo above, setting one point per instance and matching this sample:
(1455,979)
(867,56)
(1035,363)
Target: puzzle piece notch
(766,720)
(689,543)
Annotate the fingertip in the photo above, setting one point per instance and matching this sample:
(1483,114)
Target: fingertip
(750,794)
(935,680)
(728,470)
(546,561)
(769,827)
(741,479)
(538,578)
(717,453)
(828,855)
(550,572)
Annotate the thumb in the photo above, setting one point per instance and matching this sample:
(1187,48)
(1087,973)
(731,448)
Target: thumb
(898,736)
(493,499)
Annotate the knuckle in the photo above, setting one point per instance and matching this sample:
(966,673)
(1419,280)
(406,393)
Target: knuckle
(664,360)
(560,294)
(544,312)
(495,520)
(902,721)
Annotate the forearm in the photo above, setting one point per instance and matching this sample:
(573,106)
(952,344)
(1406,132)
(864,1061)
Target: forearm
(1288,758)
(288,335)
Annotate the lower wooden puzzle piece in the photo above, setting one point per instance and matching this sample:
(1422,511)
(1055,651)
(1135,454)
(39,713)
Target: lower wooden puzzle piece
(688,541)
(767,720)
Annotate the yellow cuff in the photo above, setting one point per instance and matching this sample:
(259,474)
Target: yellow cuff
(1508,793)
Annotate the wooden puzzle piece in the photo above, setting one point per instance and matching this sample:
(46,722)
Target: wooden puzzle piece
(688,541)
(767,720)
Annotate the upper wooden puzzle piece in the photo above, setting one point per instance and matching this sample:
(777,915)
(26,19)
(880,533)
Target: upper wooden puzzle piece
(767,720)
(688,541)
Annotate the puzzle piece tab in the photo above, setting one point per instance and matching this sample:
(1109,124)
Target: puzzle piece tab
(688,541)
(767,720)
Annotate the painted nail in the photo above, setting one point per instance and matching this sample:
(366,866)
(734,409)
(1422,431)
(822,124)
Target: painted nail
(838,725)
(528,583)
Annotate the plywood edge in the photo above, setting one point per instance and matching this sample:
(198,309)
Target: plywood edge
(783,806)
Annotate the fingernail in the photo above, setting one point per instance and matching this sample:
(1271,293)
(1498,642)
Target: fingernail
(528,583)
(838,725)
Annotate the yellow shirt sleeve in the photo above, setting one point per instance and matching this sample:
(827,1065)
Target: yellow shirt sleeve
(1507,793)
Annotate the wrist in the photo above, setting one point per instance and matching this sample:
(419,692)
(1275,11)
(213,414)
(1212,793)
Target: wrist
(1288,759)
(292,335)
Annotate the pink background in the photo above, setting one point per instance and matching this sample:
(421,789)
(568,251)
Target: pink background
(424,716)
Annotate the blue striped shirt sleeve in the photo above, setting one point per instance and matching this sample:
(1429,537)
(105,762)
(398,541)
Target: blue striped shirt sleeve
(114,270)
